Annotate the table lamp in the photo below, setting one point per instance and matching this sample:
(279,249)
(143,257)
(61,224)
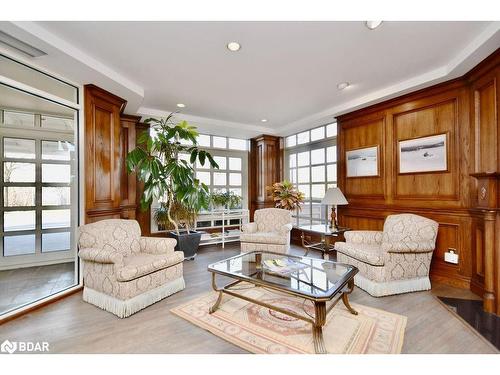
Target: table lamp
(334,197)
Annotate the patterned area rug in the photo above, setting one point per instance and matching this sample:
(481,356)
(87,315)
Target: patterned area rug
(261,330)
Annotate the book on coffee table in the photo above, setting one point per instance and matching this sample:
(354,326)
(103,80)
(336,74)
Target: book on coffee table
(283,266)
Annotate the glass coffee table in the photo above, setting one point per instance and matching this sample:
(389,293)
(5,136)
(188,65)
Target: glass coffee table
(324,283)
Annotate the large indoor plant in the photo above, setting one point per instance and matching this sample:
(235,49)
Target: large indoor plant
(170,179)
(286,195)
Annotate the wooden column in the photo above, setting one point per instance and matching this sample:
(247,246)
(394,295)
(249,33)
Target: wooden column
(488,212)
(128,180)
(485,92)
(142,216)
(102,154)
(266,160)
(110,192)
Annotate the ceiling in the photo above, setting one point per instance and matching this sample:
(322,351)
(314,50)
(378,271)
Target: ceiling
(286,72)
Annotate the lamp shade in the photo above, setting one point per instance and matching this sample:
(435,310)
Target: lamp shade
(334,197)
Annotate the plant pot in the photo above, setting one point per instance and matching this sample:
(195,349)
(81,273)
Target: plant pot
(186,242)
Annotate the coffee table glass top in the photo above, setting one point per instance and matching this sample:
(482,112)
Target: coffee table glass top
(323,229)
(309,277)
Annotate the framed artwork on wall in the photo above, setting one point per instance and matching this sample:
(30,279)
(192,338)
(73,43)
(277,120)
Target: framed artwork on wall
(423,154)
(362,162)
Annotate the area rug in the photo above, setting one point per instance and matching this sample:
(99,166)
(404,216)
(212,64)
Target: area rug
(261,330)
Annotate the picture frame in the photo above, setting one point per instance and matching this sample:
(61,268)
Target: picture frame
(428,154)
(362,162)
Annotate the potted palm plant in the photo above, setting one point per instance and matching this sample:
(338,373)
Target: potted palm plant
(171,180)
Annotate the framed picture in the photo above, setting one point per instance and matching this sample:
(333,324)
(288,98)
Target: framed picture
(362,162)
(424,154)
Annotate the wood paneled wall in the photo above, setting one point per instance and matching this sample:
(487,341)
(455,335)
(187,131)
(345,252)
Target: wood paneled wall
(110,192)
(266,168)
(466,110)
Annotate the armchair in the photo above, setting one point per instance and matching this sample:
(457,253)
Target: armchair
(394,261)
(124,272)
(270,231)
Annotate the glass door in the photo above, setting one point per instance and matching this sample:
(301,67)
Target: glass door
(38,197)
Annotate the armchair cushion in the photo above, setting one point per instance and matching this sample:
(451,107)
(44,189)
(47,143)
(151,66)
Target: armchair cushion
(122,235)
(138,265)
(105,255)
(157,245)
(363,237)
(367,253)
(409,247)
(285,229)
(264,238)
(409,233)
(249,227)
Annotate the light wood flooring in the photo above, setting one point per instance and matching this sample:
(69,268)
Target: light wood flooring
(26,285)
(73,326)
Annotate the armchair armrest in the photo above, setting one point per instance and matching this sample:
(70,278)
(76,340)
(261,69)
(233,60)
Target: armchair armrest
(372,237)
(409,247)
(249,228)
(285,228)
(157,245)
(100,255)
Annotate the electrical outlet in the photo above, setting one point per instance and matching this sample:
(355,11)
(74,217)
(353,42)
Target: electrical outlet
(451,256)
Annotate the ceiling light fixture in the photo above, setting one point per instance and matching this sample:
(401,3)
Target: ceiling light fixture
(343,85)
(372,25)
(263,120)
(180,105)
(233,46)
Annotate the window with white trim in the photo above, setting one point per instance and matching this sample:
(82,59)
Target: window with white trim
(311,165)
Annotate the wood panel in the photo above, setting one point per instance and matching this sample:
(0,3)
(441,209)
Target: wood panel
(142,216)
(443,196)
(110,192)
(266,164)
(466,207)
(368,132)
(128,181)
(102,154)
(438,118)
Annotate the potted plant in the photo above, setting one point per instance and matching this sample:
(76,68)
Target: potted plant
(234,200)
(222,200)
(285,195)
(218,200)
(171,180)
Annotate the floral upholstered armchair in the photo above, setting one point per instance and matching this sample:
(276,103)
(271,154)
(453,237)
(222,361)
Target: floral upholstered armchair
(124,272)
(394,261)
(270,231)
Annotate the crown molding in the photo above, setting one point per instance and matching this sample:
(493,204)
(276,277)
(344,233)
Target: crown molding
(211,125)
(476,51)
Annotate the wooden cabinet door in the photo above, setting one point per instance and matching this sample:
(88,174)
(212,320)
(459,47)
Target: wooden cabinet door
(102,154)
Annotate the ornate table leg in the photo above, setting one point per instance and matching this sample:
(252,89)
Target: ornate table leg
(219,299)
(317,330)
(304,245)
(326,247)
(345,297)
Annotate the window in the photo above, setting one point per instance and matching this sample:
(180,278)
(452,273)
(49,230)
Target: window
(21,202)
(231,175)
(311,163)
(39,178)
(232,172)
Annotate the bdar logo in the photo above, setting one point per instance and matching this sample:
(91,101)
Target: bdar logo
(8,347)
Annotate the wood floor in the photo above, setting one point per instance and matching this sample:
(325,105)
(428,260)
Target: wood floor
(26,285)
(73,326)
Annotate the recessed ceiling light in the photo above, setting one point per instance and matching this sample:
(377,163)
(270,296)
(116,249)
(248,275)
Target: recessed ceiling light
(343,85)
(180,105)
(372,25)
(233,46)
(264,120)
